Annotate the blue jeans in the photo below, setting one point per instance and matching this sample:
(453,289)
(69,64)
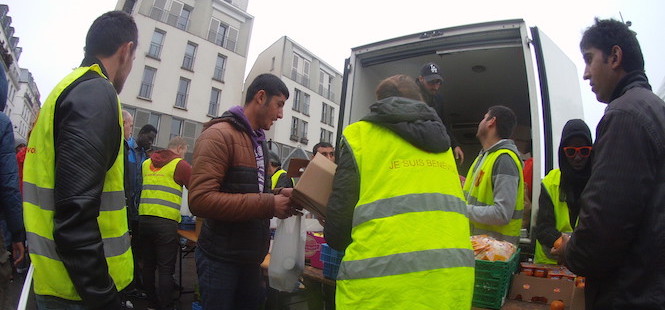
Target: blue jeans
(229,286)
(45,302)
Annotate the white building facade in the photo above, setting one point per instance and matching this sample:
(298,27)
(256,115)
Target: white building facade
(190,64)
(311,112)
(22,93)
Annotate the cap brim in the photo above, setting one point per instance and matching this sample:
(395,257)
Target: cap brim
(433,77)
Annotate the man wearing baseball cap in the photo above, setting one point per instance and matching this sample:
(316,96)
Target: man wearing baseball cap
(429,81)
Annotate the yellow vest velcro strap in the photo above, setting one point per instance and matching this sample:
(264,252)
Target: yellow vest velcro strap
(406,204)
(475,202)
(161,202)
(162,188)
(513,239)
(46,247)
(43,197)
(402,263)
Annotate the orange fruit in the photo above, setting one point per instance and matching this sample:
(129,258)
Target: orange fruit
(558,243)
(557,305)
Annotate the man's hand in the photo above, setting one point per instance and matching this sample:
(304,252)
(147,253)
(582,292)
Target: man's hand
(18,252)
(459,155)
(283,207)
(559,247)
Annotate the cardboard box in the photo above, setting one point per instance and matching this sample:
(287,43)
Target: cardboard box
(545,291)
(315,185)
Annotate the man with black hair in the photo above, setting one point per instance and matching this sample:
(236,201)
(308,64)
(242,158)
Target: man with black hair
(230,188)
(74,202)
(618,242)
(494,186)
(429,81)
(326,149)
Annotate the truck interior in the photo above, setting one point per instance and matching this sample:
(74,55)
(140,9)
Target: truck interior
(474,80)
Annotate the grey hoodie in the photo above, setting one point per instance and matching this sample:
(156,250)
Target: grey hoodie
(505,181)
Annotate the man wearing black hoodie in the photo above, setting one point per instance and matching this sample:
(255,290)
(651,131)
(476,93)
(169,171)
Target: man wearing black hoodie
(619,241)
(559,202)
(397,200)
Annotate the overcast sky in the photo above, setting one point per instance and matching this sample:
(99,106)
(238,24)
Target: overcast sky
(52,32)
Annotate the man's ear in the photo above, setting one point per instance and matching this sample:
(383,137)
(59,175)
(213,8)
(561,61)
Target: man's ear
(260,96)
(616,57)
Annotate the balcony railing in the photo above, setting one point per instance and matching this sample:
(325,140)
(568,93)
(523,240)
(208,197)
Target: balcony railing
(300,78)
(166,17)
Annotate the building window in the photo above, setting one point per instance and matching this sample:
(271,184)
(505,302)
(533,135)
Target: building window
(214,102)
(300,70)
(298,130)
(141,118)
(128,7)
(326,136)
(325,85)
(183,20)
(328,114)
(147,82)
(156,44)
(181,96)
(176,128)
(190,53)
(301,102)
(223,35)
(220,66)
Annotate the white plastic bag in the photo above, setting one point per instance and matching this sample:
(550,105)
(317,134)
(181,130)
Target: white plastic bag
(287,257)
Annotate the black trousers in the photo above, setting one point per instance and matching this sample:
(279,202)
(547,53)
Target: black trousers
(159,241)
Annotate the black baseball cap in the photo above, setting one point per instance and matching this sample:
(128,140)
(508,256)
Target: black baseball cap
(431,71)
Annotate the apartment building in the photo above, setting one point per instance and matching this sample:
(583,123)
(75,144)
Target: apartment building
(22,94)
(311,112)
(190,64)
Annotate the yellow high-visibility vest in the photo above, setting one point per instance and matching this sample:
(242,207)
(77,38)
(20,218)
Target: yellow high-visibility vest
(552,183)
(50,276)
(479,190)
(161,195)
(411,241)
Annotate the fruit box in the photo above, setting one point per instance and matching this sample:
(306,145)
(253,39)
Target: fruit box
(545,291)
(313,249)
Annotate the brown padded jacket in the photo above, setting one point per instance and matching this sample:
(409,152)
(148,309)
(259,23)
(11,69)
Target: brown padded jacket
(224,190)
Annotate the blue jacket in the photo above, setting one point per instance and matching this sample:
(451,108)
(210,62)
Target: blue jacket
(10,196)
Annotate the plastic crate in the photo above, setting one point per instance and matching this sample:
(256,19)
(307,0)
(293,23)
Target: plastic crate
(331,260)
(492,281)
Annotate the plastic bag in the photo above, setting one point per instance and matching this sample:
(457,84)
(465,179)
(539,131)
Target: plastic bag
(287,258)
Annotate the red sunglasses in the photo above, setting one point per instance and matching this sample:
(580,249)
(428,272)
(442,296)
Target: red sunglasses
(572,151)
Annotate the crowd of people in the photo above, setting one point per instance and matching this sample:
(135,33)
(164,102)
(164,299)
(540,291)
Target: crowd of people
(101,209)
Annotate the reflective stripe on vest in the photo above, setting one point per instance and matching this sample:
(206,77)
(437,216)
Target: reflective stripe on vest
(410,227)
(50,276)
(478,189)
(551,183)
(161,196)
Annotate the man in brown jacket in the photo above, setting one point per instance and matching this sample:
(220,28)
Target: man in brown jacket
(230,188)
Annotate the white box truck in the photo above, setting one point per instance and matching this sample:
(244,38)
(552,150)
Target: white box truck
(500,62)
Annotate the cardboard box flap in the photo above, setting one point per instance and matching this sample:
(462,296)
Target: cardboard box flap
(315,185)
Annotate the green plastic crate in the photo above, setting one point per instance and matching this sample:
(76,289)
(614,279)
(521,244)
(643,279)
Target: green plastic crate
(492,281)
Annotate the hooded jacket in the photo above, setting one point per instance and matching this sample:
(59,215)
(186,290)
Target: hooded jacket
(11,209)
(571,186)
(619,242)
(413,121)
(224,190)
